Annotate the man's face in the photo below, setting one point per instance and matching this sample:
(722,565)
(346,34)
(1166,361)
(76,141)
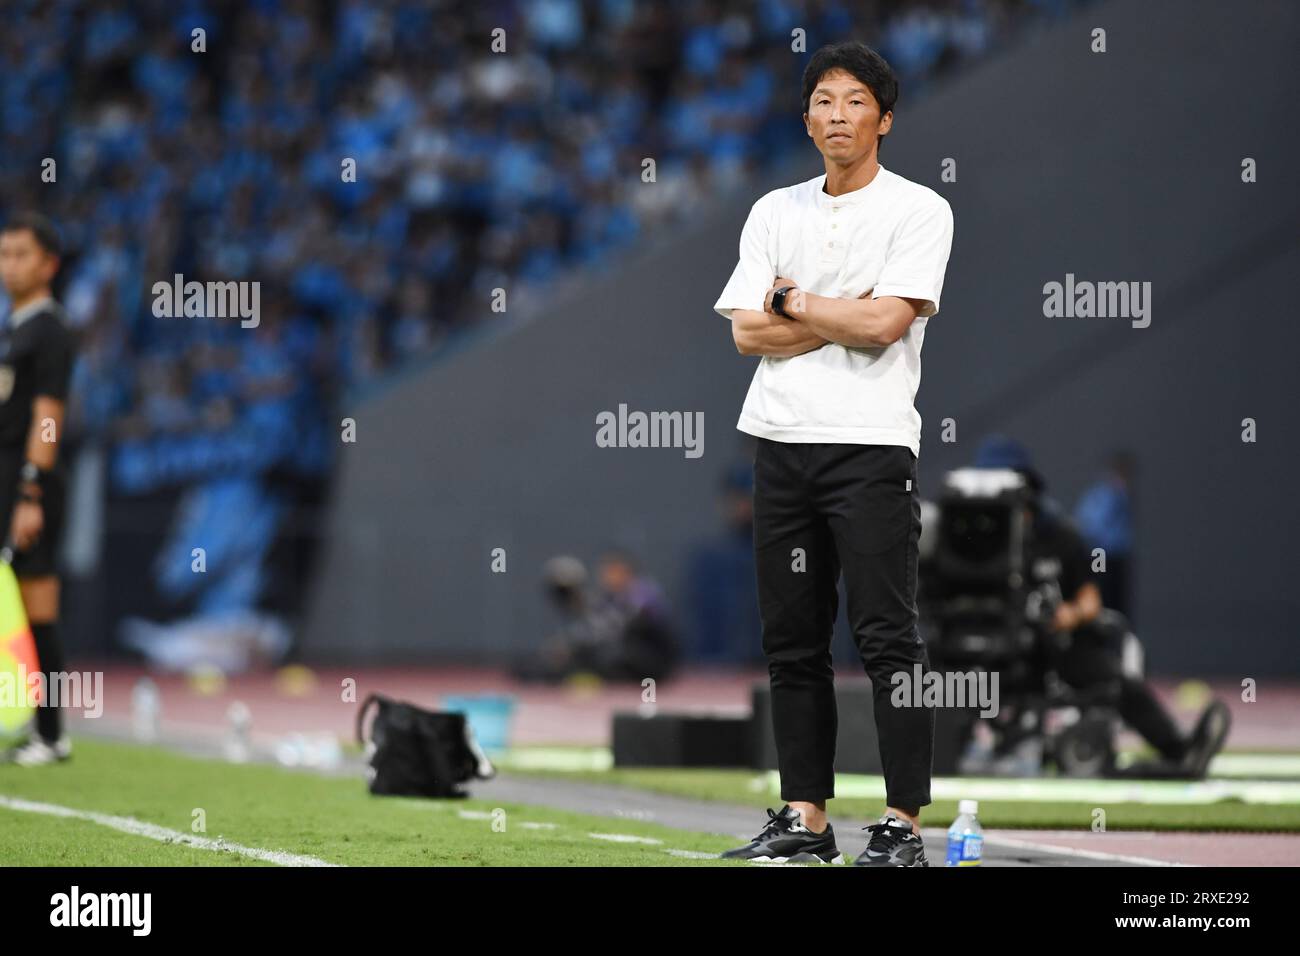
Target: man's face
(844,118)
(615,575)
(24,266)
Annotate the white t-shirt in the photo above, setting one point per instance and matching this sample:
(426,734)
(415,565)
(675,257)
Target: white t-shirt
(892,236)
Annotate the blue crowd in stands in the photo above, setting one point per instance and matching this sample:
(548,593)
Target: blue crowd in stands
(475,170)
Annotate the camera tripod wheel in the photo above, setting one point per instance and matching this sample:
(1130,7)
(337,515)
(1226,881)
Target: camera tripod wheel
(1085,749)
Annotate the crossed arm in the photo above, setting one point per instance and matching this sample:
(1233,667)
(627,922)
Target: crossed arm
(814,320)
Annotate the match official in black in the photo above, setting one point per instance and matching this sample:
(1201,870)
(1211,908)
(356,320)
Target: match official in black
(36,351)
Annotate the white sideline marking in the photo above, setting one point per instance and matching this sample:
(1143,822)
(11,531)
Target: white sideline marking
(1095,792)
(624,838)
(161,834)
(692,854)
(1071,851)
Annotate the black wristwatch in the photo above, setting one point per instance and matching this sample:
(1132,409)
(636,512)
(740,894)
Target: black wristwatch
(31,474)
(778,300)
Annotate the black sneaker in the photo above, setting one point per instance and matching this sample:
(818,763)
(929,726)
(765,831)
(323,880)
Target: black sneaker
(1207,739)
(786,840)
(892,843)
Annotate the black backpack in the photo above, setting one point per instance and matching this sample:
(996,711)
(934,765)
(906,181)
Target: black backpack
(414,752)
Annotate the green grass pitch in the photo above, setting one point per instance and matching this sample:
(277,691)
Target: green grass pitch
(249,810)
(333,819)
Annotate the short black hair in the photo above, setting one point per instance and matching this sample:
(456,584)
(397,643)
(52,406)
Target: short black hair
(858,60)
(47,237)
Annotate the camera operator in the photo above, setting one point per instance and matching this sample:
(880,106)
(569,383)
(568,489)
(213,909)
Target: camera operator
(1056,558)
(617,631)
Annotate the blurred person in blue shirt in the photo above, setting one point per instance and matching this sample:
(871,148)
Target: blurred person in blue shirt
(1104,515)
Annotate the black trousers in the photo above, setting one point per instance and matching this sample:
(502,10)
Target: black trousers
(1094,657)
(819,510)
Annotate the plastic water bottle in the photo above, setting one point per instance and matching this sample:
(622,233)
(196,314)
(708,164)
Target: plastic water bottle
(965,836)
(239,742)
(146,704)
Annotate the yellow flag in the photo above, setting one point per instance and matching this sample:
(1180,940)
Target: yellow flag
(17,654)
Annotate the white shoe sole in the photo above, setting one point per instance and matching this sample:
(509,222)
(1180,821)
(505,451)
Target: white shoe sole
(806,858)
